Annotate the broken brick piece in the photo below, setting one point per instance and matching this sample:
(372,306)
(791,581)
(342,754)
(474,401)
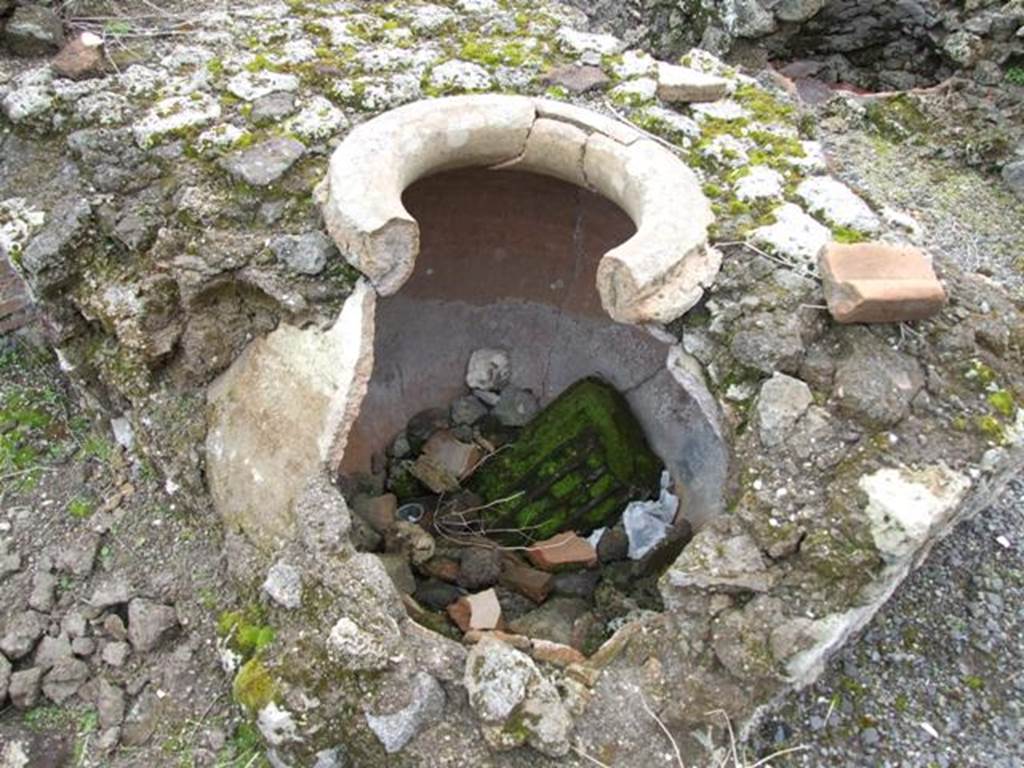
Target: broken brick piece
(555,653)
(527,581)
(879,283)
(563,550)
(479,611)
(442,568)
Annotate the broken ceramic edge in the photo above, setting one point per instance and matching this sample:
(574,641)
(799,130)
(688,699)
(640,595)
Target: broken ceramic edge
(352,334)
(654,277)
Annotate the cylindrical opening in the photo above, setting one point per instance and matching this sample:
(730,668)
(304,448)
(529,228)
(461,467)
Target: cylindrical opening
(508,260)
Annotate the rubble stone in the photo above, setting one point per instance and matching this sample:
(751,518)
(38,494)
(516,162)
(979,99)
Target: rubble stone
(64,679)
(479,568)
(426,705)
(781,402)
(578,78)
(21,633)
(80,58)
(307,254)
(148,623)
(284,585)
(488,369)
(264,163)
(24,687)
(677,84)
(33,30)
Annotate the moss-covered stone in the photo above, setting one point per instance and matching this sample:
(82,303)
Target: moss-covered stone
(573,468)
(254,687)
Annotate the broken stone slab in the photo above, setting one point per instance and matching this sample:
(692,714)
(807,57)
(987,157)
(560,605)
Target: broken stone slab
(908,507)
(678,84)
(287,383)
(563,550)
(781,402)
(264,163)
(504,685)
(879,283)
(479,611)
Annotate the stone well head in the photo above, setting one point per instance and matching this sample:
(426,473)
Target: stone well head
(548,231)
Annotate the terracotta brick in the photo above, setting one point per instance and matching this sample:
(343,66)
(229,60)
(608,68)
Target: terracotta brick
(443,568)
(879,283)
(525,580)
(520,642)
(563,550)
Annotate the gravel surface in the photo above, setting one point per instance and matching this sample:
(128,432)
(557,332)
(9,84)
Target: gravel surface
(937,679)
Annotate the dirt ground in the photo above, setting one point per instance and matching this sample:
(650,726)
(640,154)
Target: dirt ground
(65,483)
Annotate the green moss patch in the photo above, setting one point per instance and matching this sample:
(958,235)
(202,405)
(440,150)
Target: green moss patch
(572,468)
(253,686)
(245,631)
